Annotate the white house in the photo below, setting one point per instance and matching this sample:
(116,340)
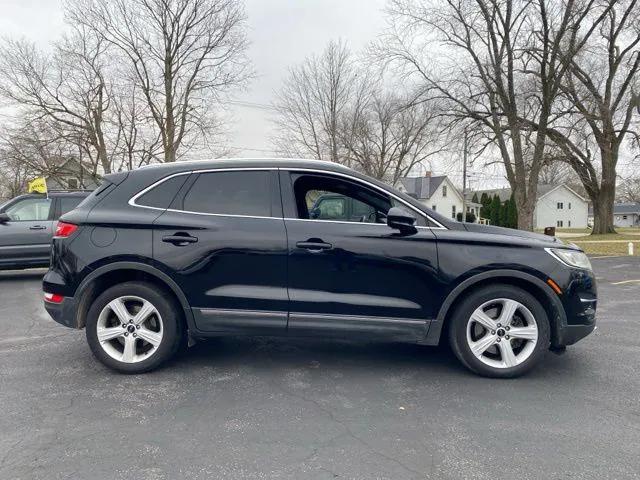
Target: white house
(438,193)
(624,215)
(557,206)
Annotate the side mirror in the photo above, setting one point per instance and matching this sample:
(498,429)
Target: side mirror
(4,218)
(315,213)
(400,219)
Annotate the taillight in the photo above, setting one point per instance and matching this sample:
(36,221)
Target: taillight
(65,229)
(53,298)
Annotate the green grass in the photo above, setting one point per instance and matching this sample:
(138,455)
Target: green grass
(608,248)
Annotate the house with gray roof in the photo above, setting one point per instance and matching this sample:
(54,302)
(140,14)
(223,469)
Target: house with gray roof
(438,193)
(624,215)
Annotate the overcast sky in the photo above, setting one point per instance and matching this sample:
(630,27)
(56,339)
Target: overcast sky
(282,33)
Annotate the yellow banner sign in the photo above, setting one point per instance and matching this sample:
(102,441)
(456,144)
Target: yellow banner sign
(39,185)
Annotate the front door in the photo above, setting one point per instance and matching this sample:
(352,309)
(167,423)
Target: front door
(350,273)
(223,241)
(26,238)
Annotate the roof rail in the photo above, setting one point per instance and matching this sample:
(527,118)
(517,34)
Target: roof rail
(69,190)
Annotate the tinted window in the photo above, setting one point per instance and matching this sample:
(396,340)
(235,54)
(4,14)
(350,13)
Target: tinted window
(163,194)
(329,198)
(30,209)
(69,203)
(231,193)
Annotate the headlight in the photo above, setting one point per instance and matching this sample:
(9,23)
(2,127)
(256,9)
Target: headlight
(571,258)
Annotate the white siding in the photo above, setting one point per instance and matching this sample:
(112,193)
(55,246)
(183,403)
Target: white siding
(548,214)
(444,205)
(626,220)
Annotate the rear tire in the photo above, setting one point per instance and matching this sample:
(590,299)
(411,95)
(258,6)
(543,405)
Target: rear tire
(499,331)
(134,327)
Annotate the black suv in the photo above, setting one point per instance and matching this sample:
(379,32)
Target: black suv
(229,247)
(27,224)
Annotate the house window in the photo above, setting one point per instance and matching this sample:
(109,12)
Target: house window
(569,224)
(624,217)
(453,211)
(559,223)
(433,207)
(444,190)
(560,205)
(569,206)
(72,183)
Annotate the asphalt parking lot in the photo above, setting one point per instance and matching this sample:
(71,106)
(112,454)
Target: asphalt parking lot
(270,408)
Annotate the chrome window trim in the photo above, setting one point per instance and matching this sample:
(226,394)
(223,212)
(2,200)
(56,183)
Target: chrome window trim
(132,200)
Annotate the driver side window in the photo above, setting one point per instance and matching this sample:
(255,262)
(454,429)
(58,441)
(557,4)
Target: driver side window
(325,197)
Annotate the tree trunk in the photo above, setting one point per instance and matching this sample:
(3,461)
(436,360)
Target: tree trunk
(604,198)
(603,213)
(526,205)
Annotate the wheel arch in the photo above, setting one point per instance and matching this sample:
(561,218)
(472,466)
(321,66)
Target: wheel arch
(539,289)
(108,275)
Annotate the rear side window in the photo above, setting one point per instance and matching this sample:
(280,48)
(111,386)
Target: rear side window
(231,193)
(69,203)
(162,194)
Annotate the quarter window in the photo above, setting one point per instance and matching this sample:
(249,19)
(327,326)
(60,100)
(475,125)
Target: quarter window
(231,193)
(162,194)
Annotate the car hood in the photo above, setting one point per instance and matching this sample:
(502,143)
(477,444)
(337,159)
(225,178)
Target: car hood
(511,232)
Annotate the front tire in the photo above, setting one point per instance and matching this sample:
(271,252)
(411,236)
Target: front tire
(134,327)
(499,331)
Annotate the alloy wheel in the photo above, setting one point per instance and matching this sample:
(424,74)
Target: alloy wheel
(502,333)
(129,329)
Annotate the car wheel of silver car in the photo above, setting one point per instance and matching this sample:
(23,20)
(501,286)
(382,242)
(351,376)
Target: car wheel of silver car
(134,327)
(499,331)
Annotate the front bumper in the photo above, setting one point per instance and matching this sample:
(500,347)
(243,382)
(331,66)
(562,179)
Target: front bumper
(64,312)
(570,334)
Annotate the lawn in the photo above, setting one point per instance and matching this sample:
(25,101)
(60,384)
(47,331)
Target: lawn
(608,244)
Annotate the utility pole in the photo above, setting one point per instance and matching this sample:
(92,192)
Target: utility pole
(464,176)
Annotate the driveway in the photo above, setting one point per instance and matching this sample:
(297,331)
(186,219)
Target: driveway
(267,408)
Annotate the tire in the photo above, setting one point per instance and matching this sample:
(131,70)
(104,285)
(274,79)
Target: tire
(142,342)
(483,342)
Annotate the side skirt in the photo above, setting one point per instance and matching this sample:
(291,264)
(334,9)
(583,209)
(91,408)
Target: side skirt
(216,322)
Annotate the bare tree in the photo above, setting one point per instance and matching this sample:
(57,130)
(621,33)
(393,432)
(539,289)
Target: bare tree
(506,63)
(311,104)
(386,138)
(630,190)
(185,55)
(66,86)
(602,91)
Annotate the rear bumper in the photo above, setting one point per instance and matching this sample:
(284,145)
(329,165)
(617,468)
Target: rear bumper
(64,312)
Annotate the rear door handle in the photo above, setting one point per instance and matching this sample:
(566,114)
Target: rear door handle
(314,245)
(179,239)
(38,227)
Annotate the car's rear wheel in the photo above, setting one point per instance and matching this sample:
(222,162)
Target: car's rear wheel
(134,327)
(499,331)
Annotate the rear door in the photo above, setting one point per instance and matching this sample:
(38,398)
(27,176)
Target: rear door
(26,238)
(224,242)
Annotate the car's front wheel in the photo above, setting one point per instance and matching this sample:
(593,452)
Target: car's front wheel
(134,327)
(499,331)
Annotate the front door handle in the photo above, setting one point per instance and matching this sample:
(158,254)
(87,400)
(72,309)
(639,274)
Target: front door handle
(314,245)
(38,227)
(179,239)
